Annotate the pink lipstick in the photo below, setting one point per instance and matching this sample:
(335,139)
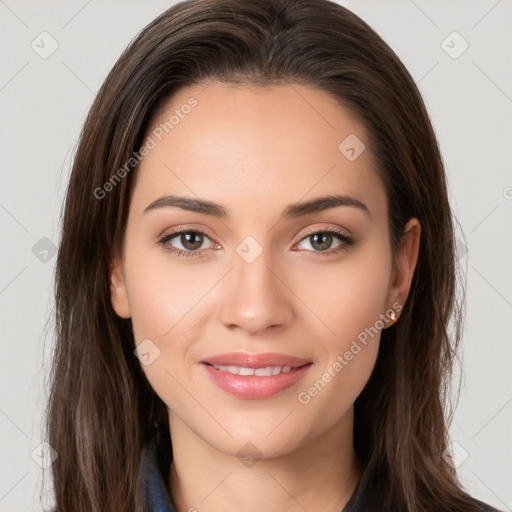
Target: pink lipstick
(255,376)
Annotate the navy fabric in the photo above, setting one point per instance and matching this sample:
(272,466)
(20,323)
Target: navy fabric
(154,481)
(157,498)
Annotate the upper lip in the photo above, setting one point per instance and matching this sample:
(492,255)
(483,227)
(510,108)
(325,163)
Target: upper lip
(255,360)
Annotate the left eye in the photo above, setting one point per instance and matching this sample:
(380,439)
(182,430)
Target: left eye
(321,241)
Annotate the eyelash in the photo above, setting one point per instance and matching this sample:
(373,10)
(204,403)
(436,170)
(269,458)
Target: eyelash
(347,242)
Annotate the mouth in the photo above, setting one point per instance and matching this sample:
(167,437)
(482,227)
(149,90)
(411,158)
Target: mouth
(255,376)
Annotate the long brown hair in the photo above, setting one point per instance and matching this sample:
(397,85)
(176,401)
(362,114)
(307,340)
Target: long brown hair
(102,409)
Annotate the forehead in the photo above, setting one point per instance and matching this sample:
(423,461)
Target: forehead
(251,147)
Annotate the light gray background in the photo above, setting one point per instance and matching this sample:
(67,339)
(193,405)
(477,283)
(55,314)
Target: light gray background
(43,104)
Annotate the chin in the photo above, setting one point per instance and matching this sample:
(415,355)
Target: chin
(252,447)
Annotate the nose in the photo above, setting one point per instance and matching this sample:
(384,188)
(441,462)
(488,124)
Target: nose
(255,296)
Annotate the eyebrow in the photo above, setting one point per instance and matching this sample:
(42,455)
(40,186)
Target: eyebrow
(292,211)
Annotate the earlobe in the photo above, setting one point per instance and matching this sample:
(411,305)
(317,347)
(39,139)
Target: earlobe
(405,262)
(118,293)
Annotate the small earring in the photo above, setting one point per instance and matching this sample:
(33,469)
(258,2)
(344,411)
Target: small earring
(393,316)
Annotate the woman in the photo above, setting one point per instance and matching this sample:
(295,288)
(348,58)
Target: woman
(256,275)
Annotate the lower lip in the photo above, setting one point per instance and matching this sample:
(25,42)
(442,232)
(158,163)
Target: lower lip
(252,387)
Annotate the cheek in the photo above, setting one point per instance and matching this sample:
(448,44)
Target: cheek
(161,294)
(346,297)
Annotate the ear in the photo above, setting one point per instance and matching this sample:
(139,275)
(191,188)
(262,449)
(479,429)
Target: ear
(405,262)
(118,294)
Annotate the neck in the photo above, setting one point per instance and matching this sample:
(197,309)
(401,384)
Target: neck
(321,474)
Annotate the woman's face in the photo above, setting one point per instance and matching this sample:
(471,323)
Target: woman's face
(249,274)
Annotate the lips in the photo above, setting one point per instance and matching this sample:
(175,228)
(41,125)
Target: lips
(253,387)
(255,376)
(255,361)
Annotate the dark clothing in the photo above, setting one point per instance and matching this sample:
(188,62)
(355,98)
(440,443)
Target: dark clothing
(155,477)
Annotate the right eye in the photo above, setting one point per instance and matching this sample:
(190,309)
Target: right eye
(191,242)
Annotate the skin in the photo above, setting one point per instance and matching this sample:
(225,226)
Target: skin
(255,151)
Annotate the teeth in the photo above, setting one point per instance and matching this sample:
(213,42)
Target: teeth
(259,372)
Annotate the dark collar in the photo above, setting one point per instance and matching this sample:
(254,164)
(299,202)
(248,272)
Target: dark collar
(154,481)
